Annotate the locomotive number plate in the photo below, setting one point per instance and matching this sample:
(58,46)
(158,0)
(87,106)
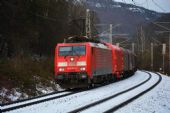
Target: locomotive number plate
(72,64)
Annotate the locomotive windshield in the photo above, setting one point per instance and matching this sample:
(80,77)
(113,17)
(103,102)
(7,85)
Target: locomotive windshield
(72,50)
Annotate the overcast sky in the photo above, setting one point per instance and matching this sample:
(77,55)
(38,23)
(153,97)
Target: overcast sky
(156,5)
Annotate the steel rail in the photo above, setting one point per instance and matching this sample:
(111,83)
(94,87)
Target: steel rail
(72,91)
(36,97)
(110,97)
(135,97)
(37,102)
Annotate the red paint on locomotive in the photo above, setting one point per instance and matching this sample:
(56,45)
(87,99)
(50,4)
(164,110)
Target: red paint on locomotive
(91,62)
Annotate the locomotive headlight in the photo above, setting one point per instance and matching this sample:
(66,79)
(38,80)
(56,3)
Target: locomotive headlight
(82,69)
(61,69)
(71,59)
(62,63)
(81,63)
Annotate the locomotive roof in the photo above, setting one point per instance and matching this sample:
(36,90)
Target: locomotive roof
(98,45)
(80,39)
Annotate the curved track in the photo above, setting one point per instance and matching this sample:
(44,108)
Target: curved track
(135,97)
(58,95)
(119,94)
(23,100)
(36,100)
(43,98)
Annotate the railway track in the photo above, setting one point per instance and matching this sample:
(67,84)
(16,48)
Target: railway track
(23,100)
(135,97)
(114,108)
(39,99)
(58,95)
(43,98)
(35,100)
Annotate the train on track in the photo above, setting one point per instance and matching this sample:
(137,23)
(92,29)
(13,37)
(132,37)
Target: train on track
(84,63)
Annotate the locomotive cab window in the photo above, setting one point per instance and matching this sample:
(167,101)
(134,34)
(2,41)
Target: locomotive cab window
(72,50)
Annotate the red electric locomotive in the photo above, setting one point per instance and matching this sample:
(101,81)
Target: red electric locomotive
(83,64)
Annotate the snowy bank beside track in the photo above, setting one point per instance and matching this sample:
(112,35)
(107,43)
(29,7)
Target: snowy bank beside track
(72,102)
(155,101)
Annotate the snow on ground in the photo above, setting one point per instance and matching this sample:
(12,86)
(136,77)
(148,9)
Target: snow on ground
(72,102)
(41,89)
(122,98)
(136,10)
(117,6)
(33,100)
(12,95)
(15,95)
(155,101)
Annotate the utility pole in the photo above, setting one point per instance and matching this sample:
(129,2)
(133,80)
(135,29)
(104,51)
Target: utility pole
(169,51)
(47,9)
(142,41)
(142,46)
(166,30)
(152,56)
(163,53)
(110,36)
(109,31)
(118,44)
(88,24)
(133,47)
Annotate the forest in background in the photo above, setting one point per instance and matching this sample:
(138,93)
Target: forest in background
(157,34)
(29,32)
(33,27)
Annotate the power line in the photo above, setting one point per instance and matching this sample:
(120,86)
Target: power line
(158,24)
(164,31)
(136,3)
(146,2)
(158,6)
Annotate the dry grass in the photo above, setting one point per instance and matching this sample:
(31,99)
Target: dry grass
(26,72)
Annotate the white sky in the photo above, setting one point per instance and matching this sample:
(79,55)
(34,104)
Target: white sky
(156,5)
